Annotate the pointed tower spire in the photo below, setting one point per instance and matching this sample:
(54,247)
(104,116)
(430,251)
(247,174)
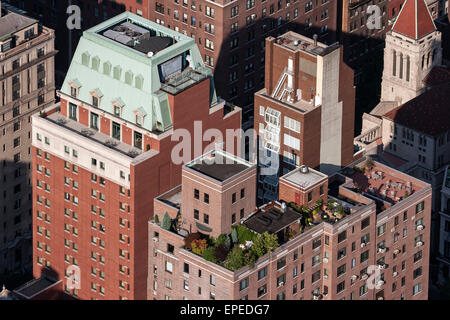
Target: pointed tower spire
(414,20)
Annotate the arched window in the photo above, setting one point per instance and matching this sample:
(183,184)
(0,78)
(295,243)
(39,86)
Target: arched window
(139,81)
(394,63)
(107,68)
(434,55)
(129,77)
(95,63)
(85,59)
(401,66)
(423,62)
(408,67)
(117,72)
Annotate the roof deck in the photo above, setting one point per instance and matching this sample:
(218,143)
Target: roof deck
(382,184)
(297,42)
(273,219)
(219,165)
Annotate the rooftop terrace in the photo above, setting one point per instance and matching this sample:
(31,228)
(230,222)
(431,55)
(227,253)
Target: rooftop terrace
(219,165)
(297,42)
(374,181)
(67,123)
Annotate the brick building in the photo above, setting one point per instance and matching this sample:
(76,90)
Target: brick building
(104,152)
(306,111)
(27,79)
(371,227)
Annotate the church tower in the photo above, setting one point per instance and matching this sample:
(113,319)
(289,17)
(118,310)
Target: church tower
(413,48)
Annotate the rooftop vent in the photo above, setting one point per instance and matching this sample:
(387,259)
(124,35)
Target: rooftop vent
(297,42)
(304,169)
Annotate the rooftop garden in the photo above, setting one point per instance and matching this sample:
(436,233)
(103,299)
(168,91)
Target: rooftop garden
(233,251)
(332,212)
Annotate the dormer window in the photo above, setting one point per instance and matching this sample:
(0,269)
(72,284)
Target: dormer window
(96,95)
(74,88)
(139,120)
(73,92)
(139,115)
(117,111)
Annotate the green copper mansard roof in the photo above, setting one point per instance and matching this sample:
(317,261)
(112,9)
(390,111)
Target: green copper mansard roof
(122,75)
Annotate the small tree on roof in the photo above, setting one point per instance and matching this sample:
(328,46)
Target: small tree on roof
(166,222)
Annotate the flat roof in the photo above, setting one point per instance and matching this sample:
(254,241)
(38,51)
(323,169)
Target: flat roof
(298,42)
(304,177)
(273,220)
(35,287)
(219,165)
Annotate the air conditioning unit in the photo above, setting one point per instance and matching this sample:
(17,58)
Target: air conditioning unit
(393,229)
(419,227)
(380,298)
(354,277)
(363,244)
(419,244)
(380,283)
(395,274)
(315,297)
(364,276)
(325,277)
(382,266)
(281,284)
(396,251)
(325,260)
(155,239)
(381,250)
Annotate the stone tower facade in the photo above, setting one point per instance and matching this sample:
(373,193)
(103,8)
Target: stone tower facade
(413,48)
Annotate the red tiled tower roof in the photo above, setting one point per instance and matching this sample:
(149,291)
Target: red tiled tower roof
(414,20)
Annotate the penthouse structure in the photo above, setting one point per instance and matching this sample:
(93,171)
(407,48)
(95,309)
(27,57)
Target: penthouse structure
(104,152)
(27,79)
(306,111)
(323,239)
(231,35)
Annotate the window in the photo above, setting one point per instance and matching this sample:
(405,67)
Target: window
(292,124)
(206,198)
(381,229)
(262,291)
(243,284)
(196,214)
(262,273)
(169,267)
(212,280)
(116,130)
(233,198)
(281,263)
(341,253)
(315,260)
(420,207)
(341,270)
(206,218)
(186,268)
(340,287)
(342,236)
(196,194)
(94,121)
(417,288)
(315,276)
(316,243)
(281,280)
(72,111)
(365,223)
(242,193)
(364,256)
